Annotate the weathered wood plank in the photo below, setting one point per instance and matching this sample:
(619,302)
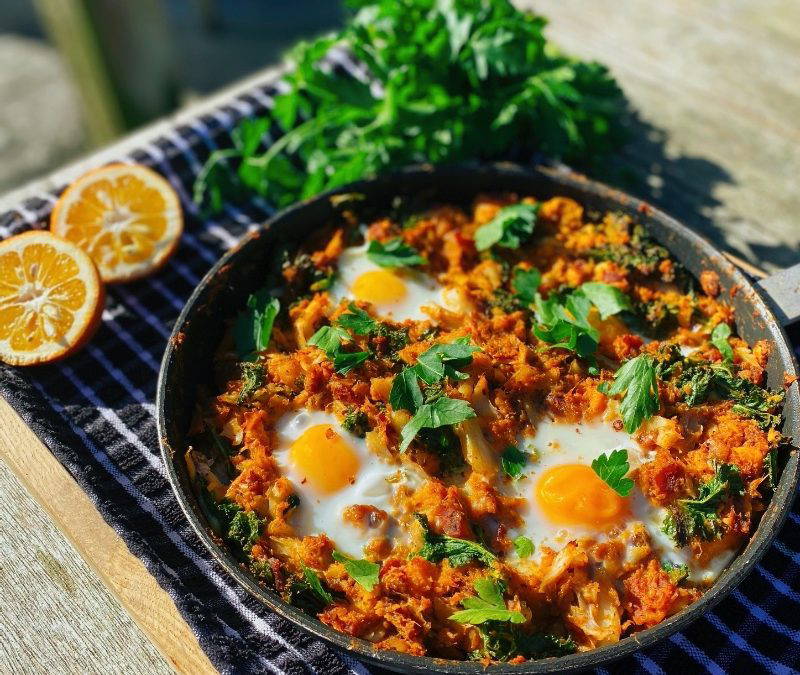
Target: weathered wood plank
(55,615)
(716,87)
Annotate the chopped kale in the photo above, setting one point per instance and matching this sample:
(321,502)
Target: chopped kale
(356,422)
(252,380)
(699,380)
(698,517)
(640,253)
(244,529)
(503,641)
(392,339)
(437,547)
(675,571)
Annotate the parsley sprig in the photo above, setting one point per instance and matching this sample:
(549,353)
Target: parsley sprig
(445,81)
(433,366)
(636,379)
(510,228)
(394,253)
(364,572)
(252,328)
(719,338)
(612,470)
(488,605)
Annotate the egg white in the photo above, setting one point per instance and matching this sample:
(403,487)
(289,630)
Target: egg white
(421,289)
(322,513)
(557,443)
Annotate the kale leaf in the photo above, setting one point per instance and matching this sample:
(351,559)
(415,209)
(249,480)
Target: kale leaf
(438,547)
(697,517)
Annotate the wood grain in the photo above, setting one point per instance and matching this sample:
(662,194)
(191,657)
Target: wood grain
(715,124)
(36,571)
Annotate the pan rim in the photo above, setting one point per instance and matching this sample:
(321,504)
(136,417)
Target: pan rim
(769,525)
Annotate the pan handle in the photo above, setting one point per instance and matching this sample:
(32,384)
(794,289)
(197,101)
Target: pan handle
(782,292)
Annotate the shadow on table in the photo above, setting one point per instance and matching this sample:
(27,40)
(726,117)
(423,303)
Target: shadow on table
(683,186)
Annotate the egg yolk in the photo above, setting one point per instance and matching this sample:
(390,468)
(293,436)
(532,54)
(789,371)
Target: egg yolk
(380,287)
(324,459)
(573,494)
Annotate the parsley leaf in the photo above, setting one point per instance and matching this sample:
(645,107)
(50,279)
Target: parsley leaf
(394,253)
(698,517)
(567,325)
(316,586)
(526,284)
(441,361)
(513,461)
(523,546)
(487,606)
(405,393)
(612,470)
(437,547)
(637,379)
(329,339)
(441,412)
(608,299)
(511,227)
(253,327)
(719,338)
(344,362)
(364,572)
(443,81)
(357,321)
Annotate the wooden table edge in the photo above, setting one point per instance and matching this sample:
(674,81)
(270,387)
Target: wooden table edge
(99,545)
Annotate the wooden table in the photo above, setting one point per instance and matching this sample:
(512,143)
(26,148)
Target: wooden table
(716,141)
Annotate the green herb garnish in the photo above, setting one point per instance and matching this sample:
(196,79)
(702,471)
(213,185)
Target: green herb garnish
(442,360)
(608,299)
(697,517)
(446,81)
(313,581)
(253,327)
(329,339)
(357,321)
(523,546)
(441,412)
(526,284)
(637,380)
(487,606)
(612,470)
(510,228)
(394,253)
(513,461)
(438,547)
(364,572)
(719,338)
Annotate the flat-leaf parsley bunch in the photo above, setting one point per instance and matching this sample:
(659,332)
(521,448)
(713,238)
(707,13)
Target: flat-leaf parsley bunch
(444,81)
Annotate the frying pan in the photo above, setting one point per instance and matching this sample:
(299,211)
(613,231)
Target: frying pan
(223,291)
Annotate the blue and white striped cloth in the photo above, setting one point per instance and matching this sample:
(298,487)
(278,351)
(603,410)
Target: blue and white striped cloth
(95,412)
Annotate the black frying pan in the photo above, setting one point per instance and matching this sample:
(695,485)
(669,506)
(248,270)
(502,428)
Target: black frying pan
(224,290)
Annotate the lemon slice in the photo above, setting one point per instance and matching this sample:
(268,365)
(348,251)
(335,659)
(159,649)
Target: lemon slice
(125,216)
(51,298)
